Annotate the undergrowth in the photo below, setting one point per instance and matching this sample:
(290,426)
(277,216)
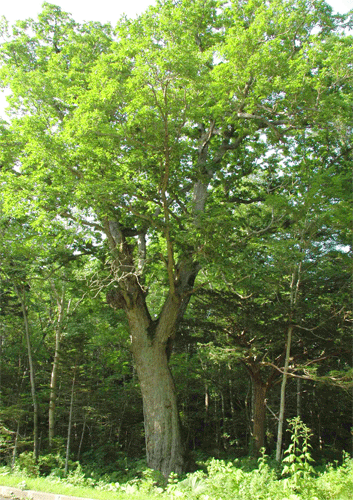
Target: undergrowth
(295,479)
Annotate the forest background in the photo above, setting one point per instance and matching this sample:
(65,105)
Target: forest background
(178,190)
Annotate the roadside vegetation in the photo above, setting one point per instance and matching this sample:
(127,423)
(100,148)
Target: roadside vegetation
(297,478)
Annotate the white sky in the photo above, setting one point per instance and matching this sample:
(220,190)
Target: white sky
(102,10)
(81,10)
(98,10)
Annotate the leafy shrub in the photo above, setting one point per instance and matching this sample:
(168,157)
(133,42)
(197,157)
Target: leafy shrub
(26,463)
(336,482)
(76,476)
(51,465)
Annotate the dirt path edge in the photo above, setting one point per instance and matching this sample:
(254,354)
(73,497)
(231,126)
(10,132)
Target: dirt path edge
(9,492)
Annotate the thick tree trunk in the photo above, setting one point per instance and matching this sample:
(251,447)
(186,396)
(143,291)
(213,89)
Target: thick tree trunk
(260,387)
(164,446)
(162,429)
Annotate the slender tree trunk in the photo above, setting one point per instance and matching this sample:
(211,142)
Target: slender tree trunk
(231,401)
(207,402)
(298,397)
(224,423)
(21,297)
(294,295)
(81,439)
(259,414)
(14,452)
(54,372)
(70,424)
(248,412)
(217,427)
(283,395)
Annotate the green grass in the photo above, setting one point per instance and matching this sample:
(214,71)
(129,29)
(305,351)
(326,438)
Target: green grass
(49,485)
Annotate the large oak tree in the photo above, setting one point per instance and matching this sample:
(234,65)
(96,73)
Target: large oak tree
(151,136)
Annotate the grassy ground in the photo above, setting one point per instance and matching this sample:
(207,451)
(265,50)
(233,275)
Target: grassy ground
(59,487)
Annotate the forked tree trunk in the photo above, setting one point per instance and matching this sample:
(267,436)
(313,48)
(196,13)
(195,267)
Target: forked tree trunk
(150,345)
(149,341)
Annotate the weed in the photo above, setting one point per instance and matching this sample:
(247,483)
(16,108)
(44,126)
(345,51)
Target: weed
(298,459)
